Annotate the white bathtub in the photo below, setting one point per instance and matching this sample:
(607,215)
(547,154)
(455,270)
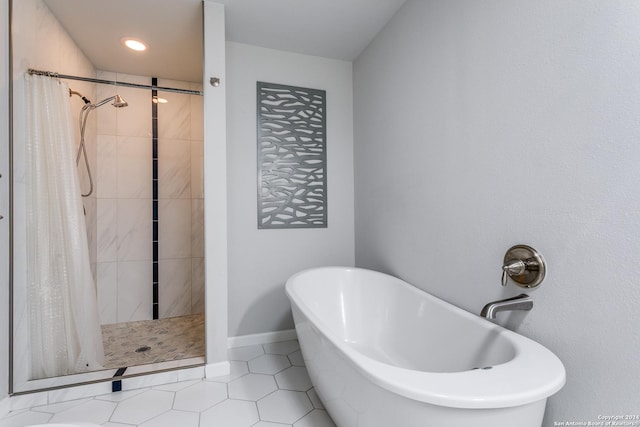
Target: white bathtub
(383,353)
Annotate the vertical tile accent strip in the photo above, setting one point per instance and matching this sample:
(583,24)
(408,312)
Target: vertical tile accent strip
(154,139)
(117,384)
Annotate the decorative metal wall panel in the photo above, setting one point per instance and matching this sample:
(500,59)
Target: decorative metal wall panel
(292,157)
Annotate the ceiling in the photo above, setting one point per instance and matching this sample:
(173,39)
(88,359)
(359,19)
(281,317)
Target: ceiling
(172,29)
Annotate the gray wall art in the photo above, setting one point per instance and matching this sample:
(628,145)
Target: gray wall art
(292,157)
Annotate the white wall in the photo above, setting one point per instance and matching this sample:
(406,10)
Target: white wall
(123,180)
(260,261)
(479,125)
(215,191)
(4,204)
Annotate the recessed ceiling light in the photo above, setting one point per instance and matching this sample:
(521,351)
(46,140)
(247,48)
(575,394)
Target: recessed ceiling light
(134,44)
(158,100)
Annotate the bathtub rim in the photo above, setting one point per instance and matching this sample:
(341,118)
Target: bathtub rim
(473,389)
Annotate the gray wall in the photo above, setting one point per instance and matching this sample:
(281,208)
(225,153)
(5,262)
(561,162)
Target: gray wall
(4,200)
(260,261)
(479,125)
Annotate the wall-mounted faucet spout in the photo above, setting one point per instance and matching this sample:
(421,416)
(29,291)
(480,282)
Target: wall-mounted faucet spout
(521,302)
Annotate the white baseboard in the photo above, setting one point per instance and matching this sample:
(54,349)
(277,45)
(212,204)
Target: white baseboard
(264,338)
(217,369)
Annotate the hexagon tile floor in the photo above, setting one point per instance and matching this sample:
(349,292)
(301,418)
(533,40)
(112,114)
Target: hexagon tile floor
(268,387)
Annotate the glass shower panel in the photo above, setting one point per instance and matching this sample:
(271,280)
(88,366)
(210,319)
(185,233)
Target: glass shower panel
(180,201)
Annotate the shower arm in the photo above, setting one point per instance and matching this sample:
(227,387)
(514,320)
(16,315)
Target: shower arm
(73,92)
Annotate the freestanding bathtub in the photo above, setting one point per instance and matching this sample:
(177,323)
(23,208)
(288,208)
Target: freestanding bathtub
(382,353)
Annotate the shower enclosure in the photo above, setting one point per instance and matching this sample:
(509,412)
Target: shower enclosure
(140,172)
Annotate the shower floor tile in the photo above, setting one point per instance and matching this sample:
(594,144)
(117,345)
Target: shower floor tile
(168,339)
(285,399)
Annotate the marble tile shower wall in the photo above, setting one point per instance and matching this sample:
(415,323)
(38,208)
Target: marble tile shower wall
(124,203)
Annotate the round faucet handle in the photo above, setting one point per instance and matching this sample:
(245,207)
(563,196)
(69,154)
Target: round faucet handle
(524,265)
(515,268)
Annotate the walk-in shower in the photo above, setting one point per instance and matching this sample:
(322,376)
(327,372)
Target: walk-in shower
(118,102)
(140,172)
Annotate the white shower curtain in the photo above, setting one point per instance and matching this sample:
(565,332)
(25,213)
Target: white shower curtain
(64,326)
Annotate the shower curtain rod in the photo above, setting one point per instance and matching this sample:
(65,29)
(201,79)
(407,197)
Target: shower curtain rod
(113,82)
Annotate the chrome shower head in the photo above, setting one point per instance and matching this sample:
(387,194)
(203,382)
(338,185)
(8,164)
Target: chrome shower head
(118,102)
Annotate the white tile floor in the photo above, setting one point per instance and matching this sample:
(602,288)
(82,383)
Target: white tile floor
(268,386)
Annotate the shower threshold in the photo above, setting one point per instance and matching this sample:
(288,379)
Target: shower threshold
(153,341)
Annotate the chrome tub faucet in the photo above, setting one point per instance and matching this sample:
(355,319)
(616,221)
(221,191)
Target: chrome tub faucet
(521,302)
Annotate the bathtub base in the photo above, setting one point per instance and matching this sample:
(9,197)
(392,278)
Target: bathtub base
(353,401)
